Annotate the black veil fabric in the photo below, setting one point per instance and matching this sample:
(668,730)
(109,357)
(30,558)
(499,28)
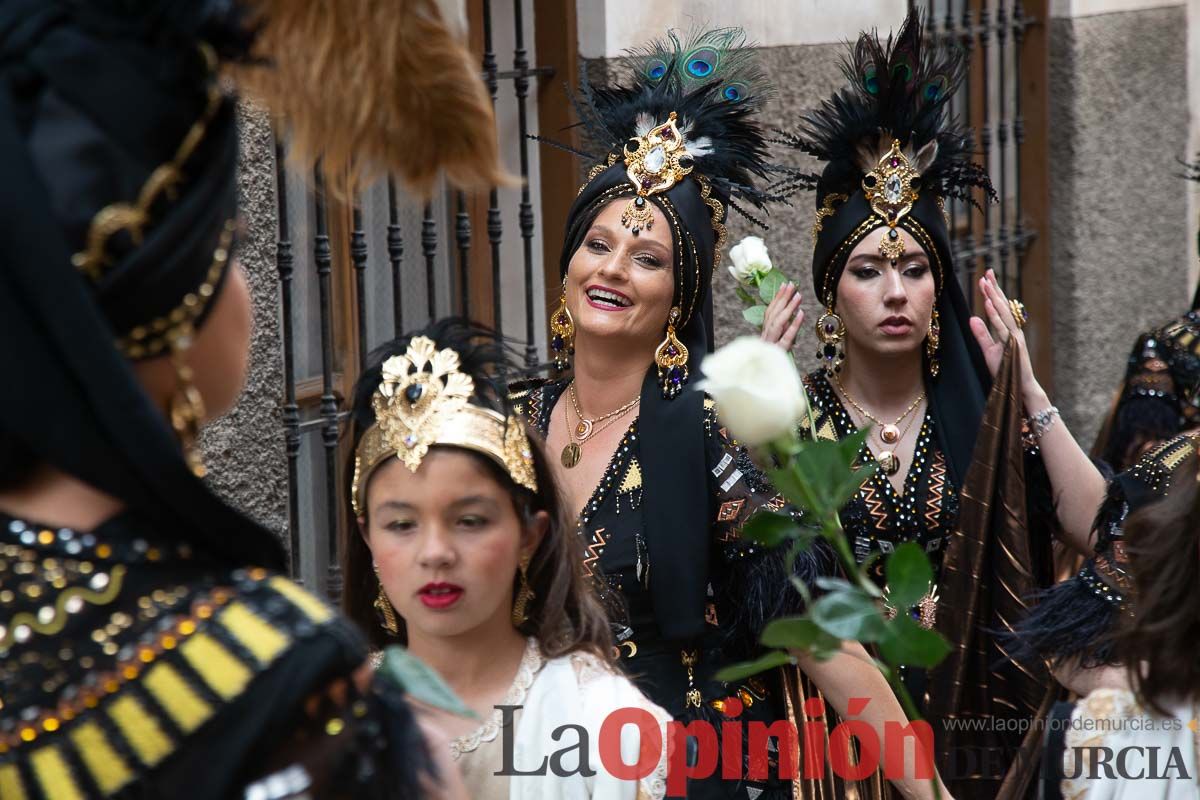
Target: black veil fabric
(91,103)
(675,502)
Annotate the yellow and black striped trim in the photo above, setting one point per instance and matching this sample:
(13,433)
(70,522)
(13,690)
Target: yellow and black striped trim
(202,663)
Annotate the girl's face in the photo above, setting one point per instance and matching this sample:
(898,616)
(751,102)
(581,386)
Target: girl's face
(886,305)
(620,285)
(447,542)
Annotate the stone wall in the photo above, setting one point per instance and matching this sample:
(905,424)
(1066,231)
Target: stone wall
(1119,244)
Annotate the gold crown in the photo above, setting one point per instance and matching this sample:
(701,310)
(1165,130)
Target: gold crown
(424,400)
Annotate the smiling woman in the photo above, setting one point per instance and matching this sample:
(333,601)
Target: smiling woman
(460,550)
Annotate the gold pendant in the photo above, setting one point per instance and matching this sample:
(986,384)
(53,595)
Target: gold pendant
(570,455)
(888,462)
(889,434)
(583,430)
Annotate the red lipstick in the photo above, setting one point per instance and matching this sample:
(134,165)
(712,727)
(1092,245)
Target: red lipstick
(440,596)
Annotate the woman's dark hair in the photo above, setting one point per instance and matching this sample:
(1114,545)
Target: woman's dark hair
(565,615)
(1159,641)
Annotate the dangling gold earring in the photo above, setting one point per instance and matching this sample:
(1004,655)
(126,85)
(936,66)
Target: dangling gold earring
(187,406)
(830,332)
(387,614)
(562,342)
(520,609)
(932,341)
(671,358)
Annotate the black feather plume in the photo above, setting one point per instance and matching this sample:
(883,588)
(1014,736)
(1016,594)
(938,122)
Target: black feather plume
(898,89)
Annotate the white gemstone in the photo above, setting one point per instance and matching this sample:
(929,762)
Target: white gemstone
(98,581)
(21,633)
(655,160)
(74,605)
(45,615)
(893,190)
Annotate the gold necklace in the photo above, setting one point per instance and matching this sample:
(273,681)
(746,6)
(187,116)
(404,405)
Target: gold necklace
(889,433)
(587,428)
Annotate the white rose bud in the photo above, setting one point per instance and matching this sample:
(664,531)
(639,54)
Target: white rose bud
(757,390)
(750,260)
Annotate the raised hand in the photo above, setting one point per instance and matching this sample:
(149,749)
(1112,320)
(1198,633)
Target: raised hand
(1001,325)
(783,317)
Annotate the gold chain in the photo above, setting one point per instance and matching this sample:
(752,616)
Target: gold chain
(871,416)
(602,417)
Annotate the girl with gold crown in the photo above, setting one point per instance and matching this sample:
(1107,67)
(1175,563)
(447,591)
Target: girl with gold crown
(461,551)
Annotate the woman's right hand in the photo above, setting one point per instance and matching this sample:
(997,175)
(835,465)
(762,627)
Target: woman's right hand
(783,317)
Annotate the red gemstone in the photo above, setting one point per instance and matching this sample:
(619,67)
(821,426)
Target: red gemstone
(895,162)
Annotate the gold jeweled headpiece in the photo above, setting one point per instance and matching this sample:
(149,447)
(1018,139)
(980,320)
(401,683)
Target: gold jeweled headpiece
(659,161)
(891,189)
(424,400)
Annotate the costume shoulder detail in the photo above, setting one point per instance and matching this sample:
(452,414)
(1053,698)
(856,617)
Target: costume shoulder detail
(178,671)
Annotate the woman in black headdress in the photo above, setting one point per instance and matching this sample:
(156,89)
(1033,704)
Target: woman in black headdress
(943,394)
(660,489)
(149,646)
(1160,394)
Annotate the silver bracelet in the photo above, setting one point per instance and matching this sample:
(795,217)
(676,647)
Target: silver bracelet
(1042,421)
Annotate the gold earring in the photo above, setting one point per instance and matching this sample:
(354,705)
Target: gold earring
(562,342)
(387,614)
(520,609)
(187,406)
(932,341)
(831,331)
(671,358)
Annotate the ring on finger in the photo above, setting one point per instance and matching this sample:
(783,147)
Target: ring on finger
(1018,312)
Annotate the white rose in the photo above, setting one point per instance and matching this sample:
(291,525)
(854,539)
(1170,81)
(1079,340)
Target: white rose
(750,260)
(757,390)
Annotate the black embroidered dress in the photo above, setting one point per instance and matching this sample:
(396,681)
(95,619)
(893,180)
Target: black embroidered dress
(747,585)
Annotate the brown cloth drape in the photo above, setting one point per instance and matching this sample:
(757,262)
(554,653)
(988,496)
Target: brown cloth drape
(984,706)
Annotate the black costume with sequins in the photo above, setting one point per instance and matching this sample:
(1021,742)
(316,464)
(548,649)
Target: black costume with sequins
(130,667)
(747,584)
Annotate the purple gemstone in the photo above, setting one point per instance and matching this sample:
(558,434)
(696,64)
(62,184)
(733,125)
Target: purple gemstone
(830,327)
(556,343)
(647,183)
(672,350)
(895,162)
(667,134)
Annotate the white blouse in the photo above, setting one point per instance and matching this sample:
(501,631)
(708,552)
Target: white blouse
(578,690)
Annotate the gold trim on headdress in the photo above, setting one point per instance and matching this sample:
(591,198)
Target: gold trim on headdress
(424,400)
(891,189)
(654,166)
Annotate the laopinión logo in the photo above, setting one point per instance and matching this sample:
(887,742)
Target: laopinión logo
(696,749)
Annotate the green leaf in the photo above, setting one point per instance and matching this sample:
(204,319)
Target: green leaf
(754,315)
(849,614)
(825,474)
(907,643)
(744,669)
(418,680)
(769,284)
(769,528)
(908,576)
(833,584)
(745,296)
(798,633)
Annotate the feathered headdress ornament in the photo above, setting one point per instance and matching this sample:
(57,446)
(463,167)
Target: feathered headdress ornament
(689,108)
(895,101)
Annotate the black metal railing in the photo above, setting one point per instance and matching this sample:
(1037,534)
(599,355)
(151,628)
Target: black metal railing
(337,306)
(991,32)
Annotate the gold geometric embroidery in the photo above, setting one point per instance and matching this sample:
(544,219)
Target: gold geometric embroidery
(107,768)
(141,730)
(316,609)
(54,775)
(937,484)
(172,692)
(219,668)
(594,550)
(730,509)
(255,634)
(10,783)
(874,506)
(633,478)
(826,430)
